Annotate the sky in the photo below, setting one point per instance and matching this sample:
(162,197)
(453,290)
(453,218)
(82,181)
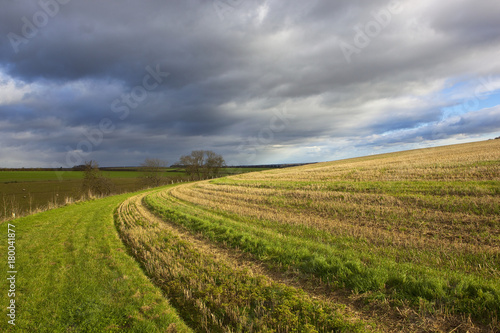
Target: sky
(258,82)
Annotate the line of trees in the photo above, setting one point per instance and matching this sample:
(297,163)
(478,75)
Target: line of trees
(200,164)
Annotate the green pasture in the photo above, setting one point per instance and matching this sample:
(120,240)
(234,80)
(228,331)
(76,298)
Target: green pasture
(25,191)
(20,176)
(30,176)
(74,275)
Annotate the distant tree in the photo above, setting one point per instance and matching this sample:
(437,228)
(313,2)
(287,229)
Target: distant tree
(152,172)
(213,164)
(202,163)
(94,183)
(80,167)
(193,163)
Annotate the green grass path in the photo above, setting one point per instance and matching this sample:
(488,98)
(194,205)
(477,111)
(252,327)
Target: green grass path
(74,275)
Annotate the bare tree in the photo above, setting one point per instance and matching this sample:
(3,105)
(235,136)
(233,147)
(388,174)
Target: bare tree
(153,172)
(93,181)
(202,163)
(213,164)
(193,163)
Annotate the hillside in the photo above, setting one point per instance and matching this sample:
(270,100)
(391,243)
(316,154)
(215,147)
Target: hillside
(413,236)
(407,241)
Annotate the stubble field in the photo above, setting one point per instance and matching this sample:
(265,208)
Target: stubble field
(413,236)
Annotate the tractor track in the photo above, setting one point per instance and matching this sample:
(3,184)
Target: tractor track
(387,318)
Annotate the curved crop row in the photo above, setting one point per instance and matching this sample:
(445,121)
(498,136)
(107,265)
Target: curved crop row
(210,292)
(341,261)
(417,238)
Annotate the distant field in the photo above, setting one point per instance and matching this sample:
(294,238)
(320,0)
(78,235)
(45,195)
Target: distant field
(237,171)
(26,176)
(417,231)
(24,191)
(30,176)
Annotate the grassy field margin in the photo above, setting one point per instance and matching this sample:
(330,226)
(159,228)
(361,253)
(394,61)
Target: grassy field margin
(74,274)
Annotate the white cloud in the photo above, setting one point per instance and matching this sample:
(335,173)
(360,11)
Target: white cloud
(11,92)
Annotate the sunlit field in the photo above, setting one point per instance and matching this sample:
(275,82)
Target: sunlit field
(416,231)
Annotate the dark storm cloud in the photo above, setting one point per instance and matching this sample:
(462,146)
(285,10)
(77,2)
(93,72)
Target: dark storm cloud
(94,39)
(222,76)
